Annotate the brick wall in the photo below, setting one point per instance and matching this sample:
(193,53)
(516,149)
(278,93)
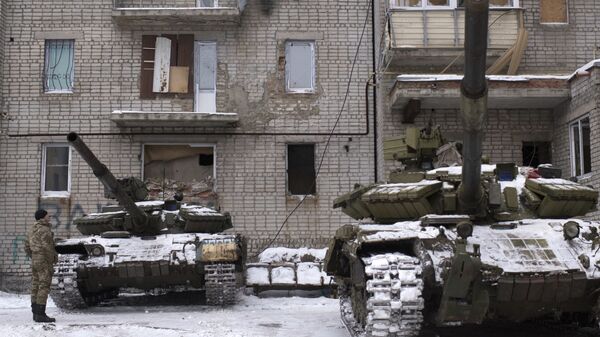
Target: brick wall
(561,48)
(251,172)
(585,102)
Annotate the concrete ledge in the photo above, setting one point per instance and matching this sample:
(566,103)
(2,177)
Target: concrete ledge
(173,119)
(160,17)
(504,93)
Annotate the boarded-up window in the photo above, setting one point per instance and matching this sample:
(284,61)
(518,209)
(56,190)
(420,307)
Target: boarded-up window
(553,11)
(167,65)
(300,66)
(58,69)
(56,159)
(301,169)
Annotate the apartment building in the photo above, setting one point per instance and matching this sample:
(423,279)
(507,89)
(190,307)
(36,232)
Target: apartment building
(232,102)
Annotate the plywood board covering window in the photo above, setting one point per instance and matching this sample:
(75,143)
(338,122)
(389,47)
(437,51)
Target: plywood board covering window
(182,168)
(553,11)
(301,169)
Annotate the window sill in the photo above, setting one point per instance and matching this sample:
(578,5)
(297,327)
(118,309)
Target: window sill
(55,195)
(298,92)
(299,197)
(54,92)
(585,177)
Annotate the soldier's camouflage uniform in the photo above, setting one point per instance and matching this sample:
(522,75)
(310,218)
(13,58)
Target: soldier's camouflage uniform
(39,246)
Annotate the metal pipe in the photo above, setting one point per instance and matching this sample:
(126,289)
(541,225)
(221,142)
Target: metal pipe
(106,177)
(473,103)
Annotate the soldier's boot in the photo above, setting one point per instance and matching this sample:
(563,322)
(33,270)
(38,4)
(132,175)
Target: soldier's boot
(40,316)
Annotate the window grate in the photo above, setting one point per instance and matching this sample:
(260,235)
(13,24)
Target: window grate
(59,66)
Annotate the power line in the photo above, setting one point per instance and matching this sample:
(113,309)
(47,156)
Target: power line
(337,120)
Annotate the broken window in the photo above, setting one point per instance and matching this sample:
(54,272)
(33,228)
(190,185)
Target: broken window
(167,65)
(58,67)
(56,173)
(205,76)
(300,66)
(301,169)
(536,153)
(581,159)
(553,11)
(187,169)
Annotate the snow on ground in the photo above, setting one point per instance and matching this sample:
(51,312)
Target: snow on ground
(252,317)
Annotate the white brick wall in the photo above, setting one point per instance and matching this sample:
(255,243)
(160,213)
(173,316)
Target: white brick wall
(251,177)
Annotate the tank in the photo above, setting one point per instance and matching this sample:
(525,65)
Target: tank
(467,244)
(151,246)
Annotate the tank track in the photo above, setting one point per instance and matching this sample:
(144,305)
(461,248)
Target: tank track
(63,290)
(394,303)
(220,284)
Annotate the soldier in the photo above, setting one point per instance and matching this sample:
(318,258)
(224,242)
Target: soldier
(39,246)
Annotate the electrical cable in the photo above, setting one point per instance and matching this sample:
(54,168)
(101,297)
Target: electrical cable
(369,8)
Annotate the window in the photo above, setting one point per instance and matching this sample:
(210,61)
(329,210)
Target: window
(205,76)
(188,169)
(536,153)
(301,169)
(300,66)
(167,63)
(553,11)
(581,159)
(439,4)
(207,3)
(56,172)
(58,67)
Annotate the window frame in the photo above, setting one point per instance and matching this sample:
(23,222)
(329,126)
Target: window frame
(581,147)
(199,2)
(198,92)
(287,171)
(212,145)
(567,16)
(312,89)
(58,194)
(452,4)
(45,70)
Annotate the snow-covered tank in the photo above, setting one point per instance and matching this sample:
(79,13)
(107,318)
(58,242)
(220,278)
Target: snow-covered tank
(470,243)
(147,245)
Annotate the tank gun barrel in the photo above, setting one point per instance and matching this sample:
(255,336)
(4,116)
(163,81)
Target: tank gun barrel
(109,181)
(473,102)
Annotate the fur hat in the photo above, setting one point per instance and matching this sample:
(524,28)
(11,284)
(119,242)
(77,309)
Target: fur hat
(40,214)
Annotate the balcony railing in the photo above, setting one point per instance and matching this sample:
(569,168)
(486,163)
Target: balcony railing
(157,13)
(416,37)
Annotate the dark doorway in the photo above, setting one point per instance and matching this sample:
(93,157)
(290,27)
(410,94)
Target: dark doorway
(535,153)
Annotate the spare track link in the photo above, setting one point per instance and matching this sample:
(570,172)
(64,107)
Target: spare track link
(63,290)
(395,302)
(220,284)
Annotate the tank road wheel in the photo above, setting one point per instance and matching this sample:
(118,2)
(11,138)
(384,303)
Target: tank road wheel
(394,303)
(63,290)
(220,284)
